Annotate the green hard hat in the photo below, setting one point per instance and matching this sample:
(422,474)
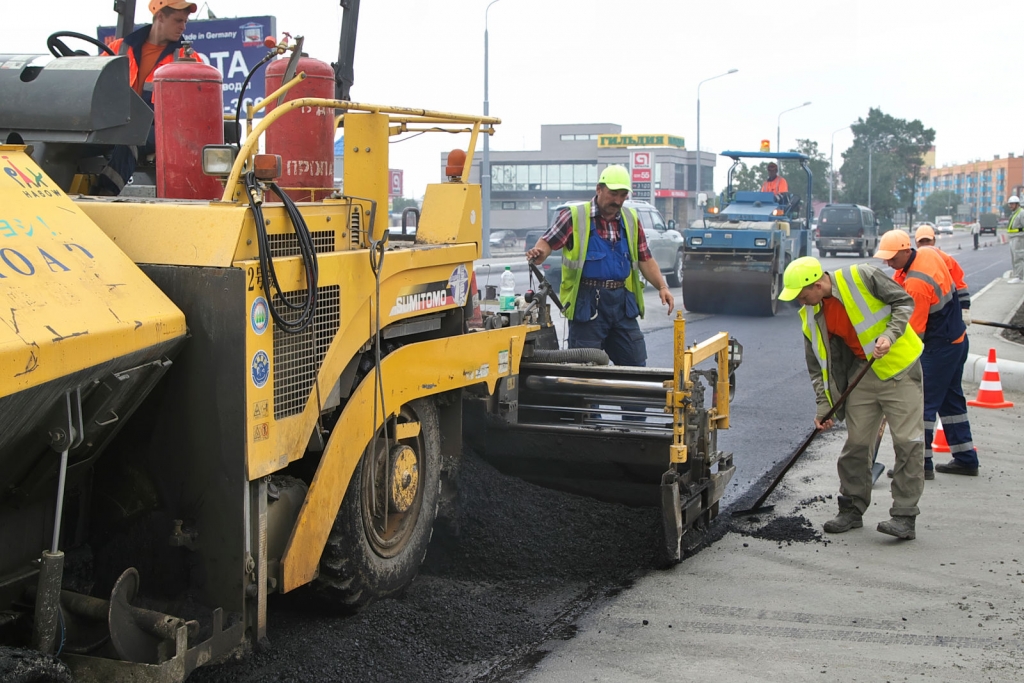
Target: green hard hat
(803,271)
(615,177)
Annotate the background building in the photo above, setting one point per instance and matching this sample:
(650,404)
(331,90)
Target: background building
(527,185)
(982,186)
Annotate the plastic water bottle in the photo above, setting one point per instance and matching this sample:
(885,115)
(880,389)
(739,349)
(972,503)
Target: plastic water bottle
(507,292)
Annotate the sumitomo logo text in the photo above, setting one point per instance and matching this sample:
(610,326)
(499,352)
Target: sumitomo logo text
(419,302)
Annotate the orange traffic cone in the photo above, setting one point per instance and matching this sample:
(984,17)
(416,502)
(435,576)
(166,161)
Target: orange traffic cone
(939,443)
(990,393)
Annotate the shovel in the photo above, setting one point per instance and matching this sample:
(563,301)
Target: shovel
(759,506)
(1015,328)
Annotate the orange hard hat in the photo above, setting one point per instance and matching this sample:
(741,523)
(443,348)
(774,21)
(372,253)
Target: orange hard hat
(925,232)
(892,242)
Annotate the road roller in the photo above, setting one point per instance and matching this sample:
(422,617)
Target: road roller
(735,255)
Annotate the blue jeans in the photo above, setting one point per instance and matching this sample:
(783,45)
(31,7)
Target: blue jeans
(123,159)
(943,366)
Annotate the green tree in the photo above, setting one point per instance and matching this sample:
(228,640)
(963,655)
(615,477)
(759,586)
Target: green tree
(897,155)
(400,204)
(746,178)
(796,178)
(941,203)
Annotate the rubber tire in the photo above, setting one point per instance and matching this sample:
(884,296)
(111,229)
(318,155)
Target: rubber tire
(352,575)
(29,666)
(675,278)
(771,307)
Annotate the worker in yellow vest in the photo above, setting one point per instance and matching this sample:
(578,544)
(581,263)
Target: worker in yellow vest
(847,316)
(604,252)
(1015,231)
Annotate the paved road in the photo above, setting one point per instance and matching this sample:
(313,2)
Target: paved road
(774,404)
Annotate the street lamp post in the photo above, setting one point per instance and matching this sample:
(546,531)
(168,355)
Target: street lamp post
(831,163)
(485,164)
(778,126)
(730,71)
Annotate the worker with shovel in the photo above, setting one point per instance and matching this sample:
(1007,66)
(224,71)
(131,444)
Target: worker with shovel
(849,316)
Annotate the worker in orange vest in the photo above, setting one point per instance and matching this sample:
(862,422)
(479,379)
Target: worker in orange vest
(147,49)
(938,321)
(775,183)
(925,237)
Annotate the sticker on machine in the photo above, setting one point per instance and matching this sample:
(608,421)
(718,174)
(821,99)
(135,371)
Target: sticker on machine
(502,362)
(458,284)
(261,432)
(260,369)
(259,315)
(424,297)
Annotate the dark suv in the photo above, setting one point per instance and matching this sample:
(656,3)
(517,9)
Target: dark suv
(987,223)
(846,227)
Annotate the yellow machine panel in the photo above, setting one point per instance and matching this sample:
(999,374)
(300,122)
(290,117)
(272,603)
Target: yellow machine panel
(70,299)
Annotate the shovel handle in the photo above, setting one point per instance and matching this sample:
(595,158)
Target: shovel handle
(1015,328)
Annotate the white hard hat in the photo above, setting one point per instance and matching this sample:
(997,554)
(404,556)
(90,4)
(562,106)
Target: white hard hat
(1013,200)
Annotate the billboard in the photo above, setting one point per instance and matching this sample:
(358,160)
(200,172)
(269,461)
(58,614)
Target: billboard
(641,165)
(232,46)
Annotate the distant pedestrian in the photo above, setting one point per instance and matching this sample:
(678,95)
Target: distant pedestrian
(836,350)
(1015,229)
(976,233)
(940,323)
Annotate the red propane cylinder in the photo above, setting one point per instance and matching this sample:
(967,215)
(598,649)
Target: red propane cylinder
(188,104)
(304,138)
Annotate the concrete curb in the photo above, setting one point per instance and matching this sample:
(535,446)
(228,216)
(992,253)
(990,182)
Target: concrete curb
(1011,372)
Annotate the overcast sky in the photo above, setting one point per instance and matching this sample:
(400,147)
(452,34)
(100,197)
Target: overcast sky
(955,66)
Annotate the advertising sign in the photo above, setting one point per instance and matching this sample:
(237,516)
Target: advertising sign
(394,183)
(642,175)
(232,46)
(659,140)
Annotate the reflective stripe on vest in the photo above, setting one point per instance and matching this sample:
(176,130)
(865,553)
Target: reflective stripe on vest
(870,316)
(1009,226)
(941,299)
(575,256)
(815,335)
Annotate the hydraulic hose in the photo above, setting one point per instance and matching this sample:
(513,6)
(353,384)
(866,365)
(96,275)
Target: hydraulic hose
(306,308)
(241,95)
(594,356)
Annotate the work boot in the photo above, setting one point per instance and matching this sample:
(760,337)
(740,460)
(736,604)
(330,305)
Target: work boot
(956,467)
(900,527)
(929,469)
(848,518)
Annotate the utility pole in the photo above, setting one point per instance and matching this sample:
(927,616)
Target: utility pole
(485,164)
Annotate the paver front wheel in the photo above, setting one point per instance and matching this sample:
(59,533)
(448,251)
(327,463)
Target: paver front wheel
(382,530)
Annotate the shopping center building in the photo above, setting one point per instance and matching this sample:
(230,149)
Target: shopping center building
(527,185)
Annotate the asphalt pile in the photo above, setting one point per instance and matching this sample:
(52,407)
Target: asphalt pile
(1014,335)
(513,568)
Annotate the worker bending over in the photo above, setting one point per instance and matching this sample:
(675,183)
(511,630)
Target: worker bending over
(847,316)
(938,320)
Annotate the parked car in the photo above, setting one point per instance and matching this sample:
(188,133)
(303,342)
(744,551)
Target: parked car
(846,227)
(665,243)
(504,239)
(988,223)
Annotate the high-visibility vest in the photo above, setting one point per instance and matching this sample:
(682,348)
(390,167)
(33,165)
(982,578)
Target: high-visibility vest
(778,185)
(121,47)
(1009,226)
(870,316)
(573,257)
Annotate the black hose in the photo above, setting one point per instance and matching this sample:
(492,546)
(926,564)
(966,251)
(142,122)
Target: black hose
(595,356)
(241,96)
(306,307)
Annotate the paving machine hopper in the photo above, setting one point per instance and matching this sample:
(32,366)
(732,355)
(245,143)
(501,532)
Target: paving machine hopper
(734,257)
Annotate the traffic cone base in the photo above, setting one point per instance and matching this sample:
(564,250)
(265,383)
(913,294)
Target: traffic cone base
(990,393)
